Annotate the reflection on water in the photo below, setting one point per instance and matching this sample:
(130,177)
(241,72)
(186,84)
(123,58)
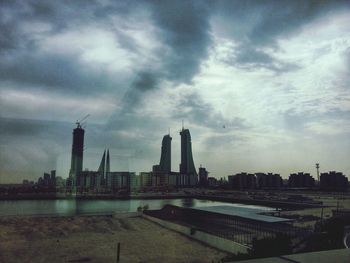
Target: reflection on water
(74,207)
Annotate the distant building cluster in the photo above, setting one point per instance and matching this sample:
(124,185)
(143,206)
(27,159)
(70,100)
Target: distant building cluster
(255,181)
(48,180)
(332,181)
(161,176)
(103,180)
(301,179)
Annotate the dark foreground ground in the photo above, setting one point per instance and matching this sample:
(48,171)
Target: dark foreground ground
(95,239)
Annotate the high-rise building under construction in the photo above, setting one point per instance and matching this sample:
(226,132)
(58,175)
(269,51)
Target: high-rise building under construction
(77,151)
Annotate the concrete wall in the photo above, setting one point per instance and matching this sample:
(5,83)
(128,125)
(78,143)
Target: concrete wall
(208,239)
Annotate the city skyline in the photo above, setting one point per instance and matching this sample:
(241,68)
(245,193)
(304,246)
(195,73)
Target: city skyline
(262,86)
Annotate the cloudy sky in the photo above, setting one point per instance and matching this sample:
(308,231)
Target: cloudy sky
(263,86)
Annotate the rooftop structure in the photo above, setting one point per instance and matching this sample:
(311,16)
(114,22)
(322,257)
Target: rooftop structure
(244,212)
(238,224)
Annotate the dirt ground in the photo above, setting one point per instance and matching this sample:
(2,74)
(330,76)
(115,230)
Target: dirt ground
(95,239)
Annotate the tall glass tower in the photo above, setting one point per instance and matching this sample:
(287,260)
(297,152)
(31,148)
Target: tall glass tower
(108,163)
(165,158)
(187,167)
(101,168)
(104,167)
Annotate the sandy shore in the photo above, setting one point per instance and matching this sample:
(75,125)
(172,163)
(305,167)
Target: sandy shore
(94,239)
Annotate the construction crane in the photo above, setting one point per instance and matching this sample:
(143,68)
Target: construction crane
(79,122)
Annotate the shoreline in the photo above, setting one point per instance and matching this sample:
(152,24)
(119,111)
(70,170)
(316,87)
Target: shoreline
(278,204)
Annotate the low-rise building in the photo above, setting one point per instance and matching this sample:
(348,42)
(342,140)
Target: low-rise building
(88,181)
(333,181)
(301,179)
(145,179)
(269,180)
(242,181)
(118,181)
(203,176)
(212,182)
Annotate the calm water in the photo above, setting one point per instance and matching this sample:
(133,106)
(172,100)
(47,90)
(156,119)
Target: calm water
(74,207)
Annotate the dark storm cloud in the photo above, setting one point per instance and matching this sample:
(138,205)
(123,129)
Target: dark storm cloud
(185,30)
(144,81)
(23,63)
(259,24)
(56,72)
(34,128)
(60,14)
(17,127)
(183,27)
(8,38)
(14,14)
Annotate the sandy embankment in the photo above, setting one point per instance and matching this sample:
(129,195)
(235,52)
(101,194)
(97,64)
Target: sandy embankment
(94,239)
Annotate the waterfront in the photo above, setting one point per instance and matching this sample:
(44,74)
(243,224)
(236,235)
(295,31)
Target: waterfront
(70,207)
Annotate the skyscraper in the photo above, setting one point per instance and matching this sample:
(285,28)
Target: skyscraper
(165,157)
(187,167)
(101,168)
(104,167)
(108,165)
(77,151)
